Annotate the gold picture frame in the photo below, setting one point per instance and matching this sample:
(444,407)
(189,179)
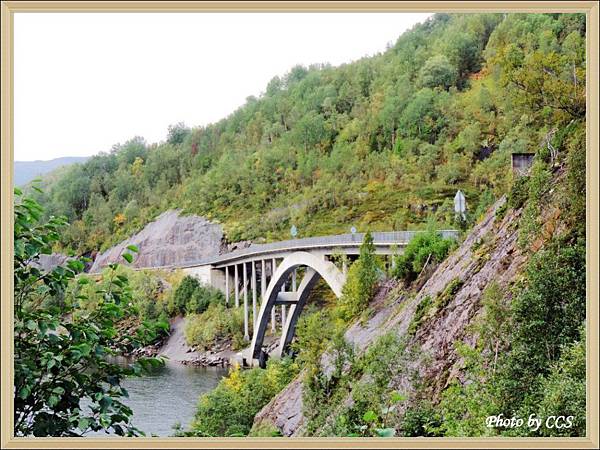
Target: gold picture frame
(10,8)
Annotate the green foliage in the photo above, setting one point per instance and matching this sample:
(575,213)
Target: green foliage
(519,192)
(361,280)
(217,323)
(376,423)
(382,143)
(265,430)
(545,72)
(193,298)
(177,133)
(183,294)
(313,336)
(575,197)
(60,356)
(146,307)
(420,312)
(318,333)
(421,419)
(373,410)
(424,248)
(229,409)
(538,186)
(438,72)
(564,390)
(548,312)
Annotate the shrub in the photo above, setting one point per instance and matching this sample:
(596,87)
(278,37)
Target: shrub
(229,409)
(421,419)
(183,293)
(548,312)
(424,248)
(564,390)
(360,282)
(202,297)
(518,193)
(192,297)
(215,324)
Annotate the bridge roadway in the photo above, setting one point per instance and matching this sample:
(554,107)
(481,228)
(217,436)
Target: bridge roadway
(283,273)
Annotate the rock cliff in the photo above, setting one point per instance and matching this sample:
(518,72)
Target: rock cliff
(170,239)
(46,263)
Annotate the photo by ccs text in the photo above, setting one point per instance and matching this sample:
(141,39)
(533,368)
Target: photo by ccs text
(533,422)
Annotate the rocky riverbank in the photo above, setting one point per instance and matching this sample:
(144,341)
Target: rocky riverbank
(175,348)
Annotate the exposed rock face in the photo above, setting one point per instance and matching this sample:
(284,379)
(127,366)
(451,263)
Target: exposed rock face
(170,239)
(489,253)
(46,263)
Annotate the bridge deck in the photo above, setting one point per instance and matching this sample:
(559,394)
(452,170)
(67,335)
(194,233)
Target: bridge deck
(380,239)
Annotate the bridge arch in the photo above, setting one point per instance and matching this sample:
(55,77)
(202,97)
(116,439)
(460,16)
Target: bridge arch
(316,267)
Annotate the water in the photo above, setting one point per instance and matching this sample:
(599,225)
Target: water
(168,395)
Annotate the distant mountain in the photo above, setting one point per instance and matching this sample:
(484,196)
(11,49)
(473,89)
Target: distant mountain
(25,171)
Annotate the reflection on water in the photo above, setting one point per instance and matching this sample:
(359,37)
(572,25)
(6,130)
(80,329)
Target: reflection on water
(167,395)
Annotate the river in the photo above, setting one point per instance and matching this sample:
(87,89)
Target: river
(168,395)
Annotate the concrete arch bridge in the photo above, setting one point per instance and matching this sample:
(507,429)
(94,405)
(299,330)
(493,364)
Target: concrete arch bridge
(282,274)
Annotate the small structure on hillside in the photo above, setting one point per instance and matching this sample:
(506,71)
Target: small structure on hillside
(521,163)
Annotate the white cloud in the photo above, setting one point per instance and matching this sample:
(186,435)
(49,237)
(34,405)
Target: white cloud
(84,82)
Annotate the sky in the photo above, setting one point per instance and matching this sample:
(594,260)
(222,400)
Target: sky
(84,82)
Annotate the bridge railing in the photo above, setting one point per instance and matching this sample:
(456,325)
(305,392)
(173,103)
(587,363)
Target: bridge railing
(386,238)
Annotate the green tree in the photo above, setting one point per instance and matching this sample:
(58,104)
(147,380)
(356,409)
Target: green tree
(438,71)
(361,279)
(63,384)
(177,133)
(429,247)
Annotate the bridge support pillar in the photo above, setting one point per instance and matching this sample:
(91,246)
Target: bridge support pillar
(227,285)
(263,280)
(273,321)
(236,287)
(283,309)
(253,294)
(245,278)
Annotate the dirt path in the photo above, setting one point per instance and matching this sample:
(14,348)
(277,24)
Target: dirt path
(176,349)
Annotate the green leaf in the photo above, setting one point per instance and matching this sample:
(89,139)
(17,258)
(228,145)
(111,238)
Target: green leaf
(53,401)
(385,432)
(83,424)
(370,416)
(133,248)
(24,392)
(75,265)
(397,397)
(105,402)
(128,257)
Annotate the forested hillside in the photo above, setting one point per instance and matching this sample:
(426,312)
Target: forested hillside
(382,143)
